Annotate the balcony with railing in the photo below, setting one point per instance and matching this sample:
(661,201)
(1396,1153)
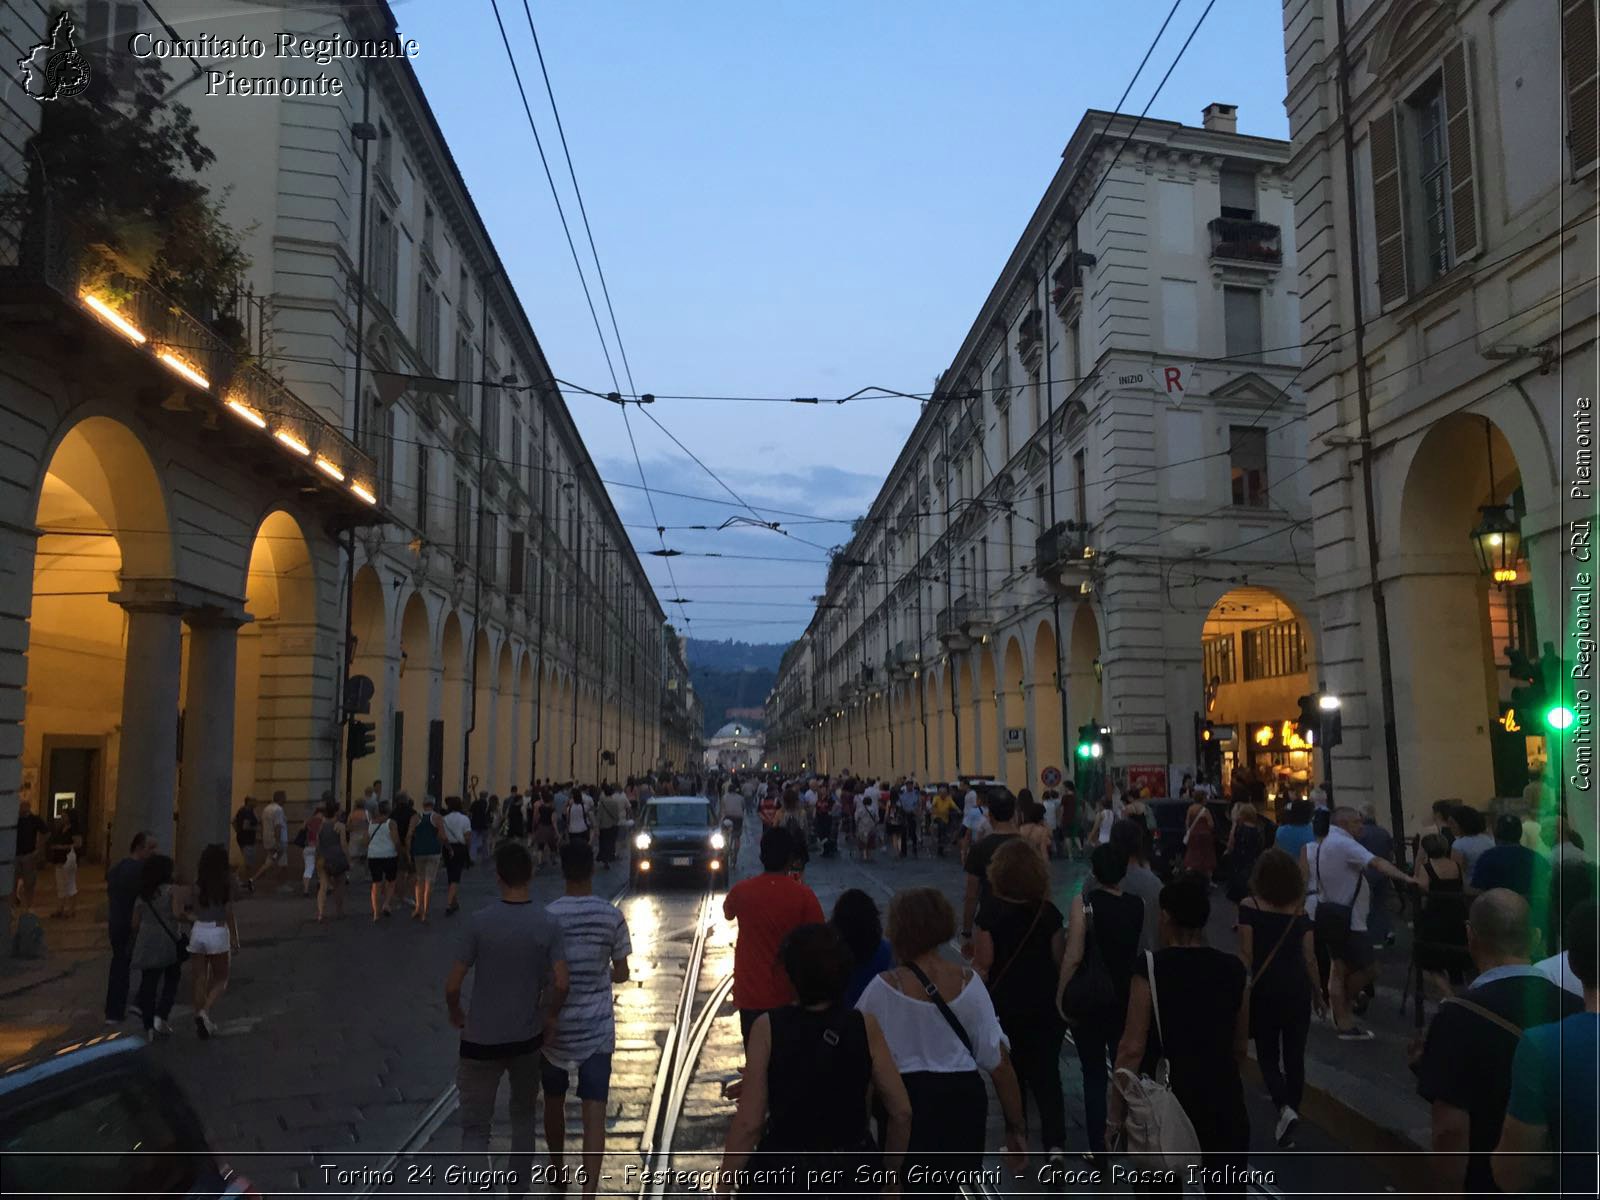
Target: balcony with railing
(1258,243)
(1063,555)
(42,264)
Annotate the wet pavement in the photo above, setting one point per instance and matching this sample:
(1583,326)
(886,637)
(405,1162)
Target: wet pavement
(334,1067)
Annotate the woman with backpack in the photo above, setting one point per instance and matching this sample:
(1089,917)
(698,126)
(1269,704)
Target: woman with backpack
(1103,931)
(426,844)
(333,861)
(1190,1005)
(1017,949)
(158,946)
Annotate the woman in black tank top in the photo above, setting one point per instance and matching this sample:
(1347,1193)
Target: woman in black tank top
(813,1071)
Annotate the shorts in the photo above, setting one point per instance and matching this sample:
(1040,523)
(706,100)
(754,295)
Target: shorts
(28,869)
(210,938)
(309,854)
(251,855)
(1356,953)
(278,853)
(735,824)
(384,870)
(67,877)
(544,837)
(426,866)
(594,1077)
(455,859)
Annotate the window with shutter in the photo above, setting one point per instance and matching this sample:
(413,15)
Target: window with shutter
(1580,63)
(514,567)
(1463,179)
(1388,207)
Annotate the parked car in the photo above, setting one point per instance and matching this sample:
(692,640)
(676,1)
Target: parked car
(678,835)
(109,1095)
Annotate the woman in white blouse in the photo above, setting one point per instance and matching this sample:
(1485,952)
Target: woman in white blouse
(942,1031)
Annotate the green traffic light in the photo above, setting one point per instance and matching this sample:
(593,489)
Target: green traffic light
(1083,750)
(1559,717)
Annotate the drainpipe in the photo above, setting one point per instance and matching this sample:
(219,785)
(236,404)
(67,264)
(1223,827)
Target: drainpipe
(1050,454)
(477,558)
(1380,607)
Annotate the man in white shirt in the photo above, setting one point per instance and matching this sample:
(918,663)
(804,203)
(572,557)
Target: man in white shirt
(275,834)
(1337,877)
(457,832)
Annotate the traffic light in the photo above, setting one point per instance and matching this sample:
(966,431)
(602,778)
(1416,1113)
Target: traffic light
(1309,724)
(1092,741)
(1544,695)
(1210,752)
(358,742)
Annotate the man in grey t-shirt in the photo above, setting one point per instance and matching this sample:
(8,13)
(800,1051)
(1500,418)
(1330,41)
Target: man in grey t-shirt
(519,963)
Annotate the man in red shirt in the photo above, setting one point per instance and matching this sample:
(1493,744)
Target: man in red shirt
(767,906)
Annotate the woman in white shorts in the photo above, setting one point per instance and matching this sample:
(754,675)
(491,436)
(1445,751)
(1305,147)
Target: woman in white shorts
(215,936)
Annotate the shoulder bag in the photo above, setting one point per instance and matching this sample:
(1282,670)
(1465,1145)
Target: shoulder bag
(1273,953)
(1156,1133)
(945,1010)
(1333,920)
(994,981)
(1090,997)
(180,943)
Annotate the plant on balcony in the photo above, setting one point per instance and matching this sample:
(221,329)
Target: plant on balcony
(118,166)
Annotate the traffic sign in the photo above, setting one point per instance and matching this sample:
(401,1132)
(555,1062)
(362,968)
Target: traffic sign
(1050,777)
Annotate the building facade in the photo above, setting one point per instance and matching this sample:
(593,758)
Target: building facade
(502,616)
(1098,518)
(1444,175)
(354,493)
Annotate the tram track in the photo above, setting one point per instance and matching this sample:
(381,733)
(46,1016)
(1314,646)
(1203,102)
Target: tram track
(437,1113)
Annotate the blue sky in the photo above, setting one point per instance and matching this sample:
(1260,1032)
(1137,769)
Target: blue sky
(790,200)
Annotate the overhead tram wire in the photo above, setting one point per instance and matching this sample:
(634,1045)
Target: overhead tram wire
(577,263)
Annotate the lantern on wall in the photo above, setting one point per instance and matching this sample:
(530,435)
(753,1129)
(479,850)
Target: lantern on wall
(1497,537)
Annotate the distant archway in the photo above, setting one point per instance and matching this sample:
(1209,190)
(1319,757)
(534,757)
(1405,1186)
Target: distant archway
(1017,758)
(1085,698)
(988,716)
(453,709)
(102,520)
(369,626)
(417,677)
(1047,715)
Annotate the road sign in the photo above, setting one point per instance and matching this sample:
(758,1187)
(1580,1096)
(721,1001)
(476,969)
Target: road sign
(1015,736)
(1050,777)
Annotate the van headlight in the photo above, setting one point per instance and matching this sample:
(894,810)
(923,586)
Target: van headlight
(718,841)
(642,841)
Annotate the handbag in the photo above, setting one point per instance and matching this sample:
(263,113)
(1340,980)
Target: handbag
(1333,921)
(994,981)
(1156,1134)
(1090,997)
(1273,953)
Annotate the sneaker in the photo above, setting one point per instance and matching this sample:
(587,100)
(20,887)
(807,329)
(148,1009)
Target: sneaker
(1356,1033)
(150,1036)
(200,1026)
(162,1027)
(1363,1001)
(1288,1119)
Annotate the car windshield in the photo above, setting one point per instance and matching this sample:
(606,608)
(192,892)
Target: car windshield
(689,814)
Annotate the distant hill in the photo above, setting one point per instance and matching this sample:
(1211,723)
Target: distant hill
(731,674)
(730,655)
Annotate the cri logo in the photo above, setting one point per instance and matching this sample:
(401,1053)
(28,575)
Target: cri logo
(55,69)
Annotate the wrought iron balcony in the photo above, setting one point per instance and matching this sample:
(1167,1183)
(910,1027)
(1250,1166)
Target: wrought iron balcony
(1246,241)
(40,257)
(1063,555)
(948,628)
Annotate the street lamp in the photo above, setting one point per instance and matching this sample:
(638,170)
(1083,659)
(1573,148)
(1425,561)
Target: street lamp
(1497,537)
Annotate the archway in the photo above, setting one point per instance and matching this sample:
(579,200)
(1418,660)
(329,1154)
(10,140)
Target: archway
(527,721)
(1085,699)
(103,526)
(453,706)
(947,692)
(504,770)
(481,717)
(275,708)
(1047,716)
(1458,732)
(1256,660)
(369,627)
(929,735)
(418,676)
(988,739)
(1018,759)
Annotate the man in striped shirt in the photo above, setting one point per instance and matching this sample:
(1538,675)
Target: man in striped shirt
(597,944)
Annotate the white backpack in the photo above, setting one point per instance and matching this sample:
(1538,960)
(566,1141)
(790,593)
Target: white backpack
(1156,1133)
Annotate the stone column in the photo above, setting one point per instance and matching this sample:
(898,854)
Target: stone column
(205,802)
(147,759)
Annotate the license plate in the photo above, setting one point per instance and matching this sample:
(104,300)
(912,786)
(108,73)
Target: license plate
(682,862)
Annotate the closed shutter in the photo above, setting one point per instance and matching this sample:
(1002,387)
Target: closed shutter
(1579,61)
(1388,209)
(1458,118)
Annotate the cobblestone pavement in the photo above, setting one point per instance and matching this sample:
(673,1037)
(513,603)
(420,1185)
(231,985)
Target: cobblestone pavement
(335,1052)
